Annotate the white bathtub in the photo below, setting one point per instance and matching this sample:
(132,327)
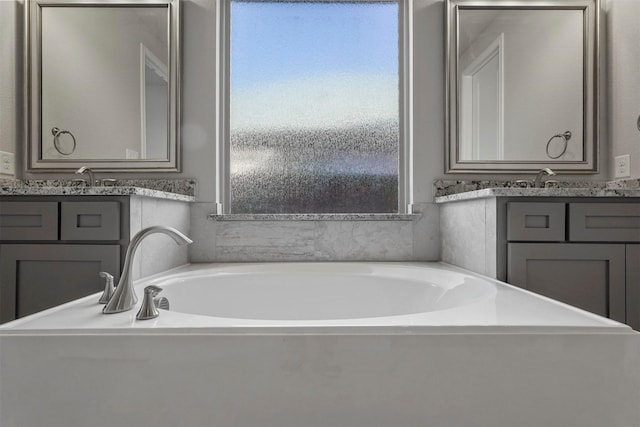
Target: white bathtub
(324,344)
(368,293)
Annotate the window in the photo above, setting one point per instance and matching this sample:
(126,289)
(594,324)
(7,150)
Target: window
(312,110)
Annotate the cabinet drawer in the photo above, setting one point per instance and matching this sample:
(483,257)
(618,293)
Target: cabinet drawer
(28,221)
(604,222)
(542,222)
(90,221)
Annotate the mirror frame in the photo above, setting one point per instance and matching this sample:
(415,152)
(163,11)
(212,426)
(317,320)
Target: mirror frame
(591,60)
(33,100)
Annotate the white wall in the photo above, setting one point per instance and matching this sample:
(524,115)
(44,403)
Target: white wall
(624,81)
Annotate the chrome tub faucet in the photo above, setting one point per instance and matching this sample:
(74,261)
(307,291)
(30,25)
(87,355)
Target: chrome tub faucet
(124,297)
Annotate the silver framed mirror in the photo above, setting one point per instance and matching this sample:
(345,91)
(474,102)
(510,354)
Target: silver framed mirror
(103,85)
(521,85)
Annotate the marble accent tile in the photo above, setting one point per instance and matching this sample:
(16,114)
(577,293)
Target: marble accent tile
(265,241)
(463,226)
(364,241)
(314,240)
(159,252)
(491,242)
(135,225)
(426,232)
(203,233)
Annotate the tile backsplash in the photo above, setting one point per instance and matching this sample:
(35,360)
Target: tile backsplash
(318,240)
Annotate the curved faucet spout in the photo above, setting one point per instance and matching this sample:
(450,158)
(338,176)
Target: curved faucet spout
(538,182)
(85,170)
(124,298)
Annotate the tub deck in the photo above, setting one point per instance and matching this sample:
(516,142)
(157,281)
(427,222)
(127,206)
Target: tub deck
(518,360)
(509,310)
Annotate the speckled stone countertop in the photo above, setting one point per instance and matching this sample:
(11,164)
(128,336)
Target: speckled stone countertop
(171,189)
(450,191)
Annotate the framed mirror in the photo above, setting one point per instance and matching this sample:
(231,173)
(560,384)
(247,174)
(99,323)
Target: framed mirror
(103,85)
(522,85)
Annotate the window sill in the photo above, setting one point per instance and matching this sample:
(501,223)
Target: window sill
(315,217)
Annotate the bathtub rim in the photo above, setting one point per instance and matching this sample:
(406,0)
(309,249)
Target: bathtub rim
(199,325)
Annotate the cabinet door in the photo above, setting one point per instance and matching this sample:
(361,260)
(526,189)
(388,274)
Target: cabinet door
(588,276)
(633,286)
(37,277)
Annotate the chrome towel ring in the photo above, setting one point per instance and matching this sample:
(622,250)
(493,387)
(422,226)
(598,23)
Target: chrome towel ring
(56,141)
(565,136)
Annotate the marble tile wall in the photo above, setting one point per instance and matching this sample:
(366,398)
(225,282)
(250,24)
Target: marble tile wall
(158,252)
(468,235)
(349,240)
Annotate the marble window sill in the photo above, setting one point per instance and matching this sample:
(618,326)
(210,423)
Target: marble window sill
(314,217)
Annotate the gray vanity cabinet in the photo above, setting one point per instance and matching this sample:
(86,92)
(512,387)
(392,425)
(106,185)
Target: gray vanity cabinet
(36,277)
(52,249)
(633,286)
(588,276)
(583,253)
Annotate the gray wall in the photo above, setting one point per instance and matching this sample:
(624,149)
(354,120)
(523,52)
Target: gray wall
(10,70)
(624,81)
(198,132)
(198,98)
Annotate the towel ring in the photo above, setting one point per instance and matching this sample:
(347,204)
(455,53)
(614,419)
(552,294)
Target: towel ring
(566,136)
(56,143)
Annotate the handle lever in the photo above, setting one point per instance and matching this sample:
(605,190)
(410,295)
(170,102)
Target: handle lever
(149,309)
(109,289)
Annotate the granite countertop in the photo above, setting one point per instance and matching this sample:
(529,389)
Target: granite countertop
(179,189)
(450,191)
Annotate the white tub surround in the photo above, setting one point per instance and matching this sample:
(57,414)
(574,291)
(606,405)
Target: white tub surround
(158,253)
(491,355)
(468,230)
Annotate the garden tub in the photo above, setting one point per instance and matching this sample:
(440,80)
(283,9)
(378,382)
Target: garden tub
(322,344)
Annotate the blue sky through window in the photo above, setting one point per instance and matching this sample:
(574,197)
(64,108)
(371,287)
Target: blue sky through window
(305,64)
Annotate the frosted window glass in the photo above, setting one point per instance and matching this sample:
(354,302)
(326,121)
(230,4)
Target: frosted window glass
(314,118)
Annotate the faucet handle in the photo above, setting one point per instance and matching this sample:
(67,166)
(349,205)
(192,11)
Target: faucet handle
(149,309)
(108,287)
(153,290)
